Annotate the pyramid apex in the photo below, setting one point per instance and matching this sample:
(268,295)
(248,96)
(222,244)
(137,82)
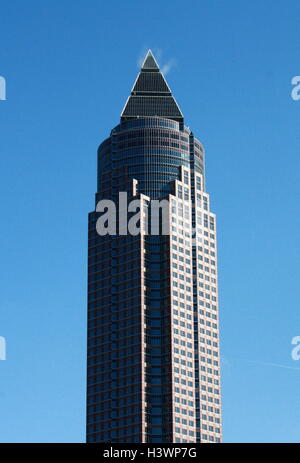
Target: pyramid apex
(150,62)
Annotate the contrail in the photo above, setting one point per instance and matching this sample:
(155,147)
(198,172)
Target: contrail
(258,362)
(269,364)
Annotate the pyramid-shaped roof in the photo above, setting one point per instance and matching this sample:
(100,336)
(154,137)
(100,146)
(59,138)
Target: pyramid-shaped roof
(151,95)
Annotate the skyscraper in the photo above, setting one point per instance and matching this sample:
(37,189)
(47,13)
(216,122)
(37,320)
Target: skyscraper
(153,335)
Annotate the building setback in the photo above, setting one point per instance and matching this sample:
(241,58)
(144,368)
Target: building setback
(153,371)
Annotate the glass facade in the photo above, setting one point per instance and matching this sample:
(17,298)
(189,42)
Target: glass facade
(153,353)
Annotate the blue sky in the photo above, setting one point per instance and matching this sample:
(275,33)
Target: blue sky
(69,67)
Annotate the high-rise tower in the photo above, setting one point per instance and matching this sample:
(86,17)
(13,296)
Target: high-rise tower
(153,324)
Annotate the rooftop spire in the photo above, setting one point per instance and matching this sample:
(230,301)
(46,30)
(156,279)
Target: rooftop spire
(151,95)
